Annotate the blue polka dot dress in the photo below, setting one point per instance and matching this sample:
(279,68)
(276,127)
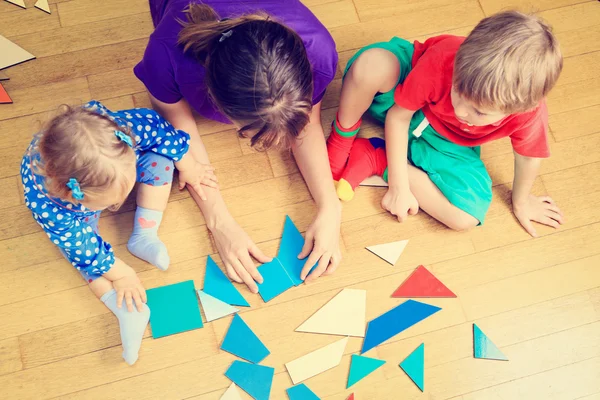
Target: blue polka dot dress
(73,227)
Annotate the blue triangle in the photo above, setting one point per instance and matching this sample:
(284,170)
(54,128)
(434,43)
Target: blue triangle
(483,347)
(301,392)
(414,366)
(214,308)
(218,285)
(361,366)
(242,342)
(289,248)
(395,321)
(254,379)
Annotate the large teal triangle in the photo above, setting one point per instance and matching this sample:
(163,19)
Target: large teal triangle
(483,347)
(218,285)
(254,379)
(361,366)
(242,342)
(414,366)
(301,392)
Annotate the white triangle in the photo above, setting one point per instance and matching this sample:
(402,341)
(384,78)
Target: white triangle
(374,180)
(316,362)
(43,5)
(390,252)
(20,3)
(231,393)
(342,315)
(214,308)
(11,54)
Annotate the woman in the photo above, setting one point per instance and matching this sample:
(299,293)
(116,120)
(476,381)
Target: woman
(263,66)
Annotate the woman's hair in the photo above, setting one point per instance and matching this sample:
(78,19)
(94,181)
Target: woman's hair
(257,72)
(82,144)
(510,61)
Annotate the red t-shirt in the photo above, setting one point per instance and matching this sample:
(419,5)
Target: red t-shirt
(428,87)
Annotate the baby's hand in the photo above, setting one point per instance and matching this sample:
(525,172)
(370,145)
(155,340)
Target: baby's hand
(539,209)
(400,202)
(196,174)
(130,288)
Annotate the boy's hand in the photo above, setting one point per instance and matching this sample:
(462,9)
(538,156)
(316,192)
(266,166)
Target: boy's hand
(539,209)
(196,174)
(400,202)
(130,288)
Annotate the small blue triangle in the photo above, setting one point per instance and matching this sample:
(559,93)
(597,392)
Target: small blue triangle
(301,392)
(361,366)
(218,285)
(254,379)
(214,308)
(242,342)
(289,248)
(414,366)
(483,347)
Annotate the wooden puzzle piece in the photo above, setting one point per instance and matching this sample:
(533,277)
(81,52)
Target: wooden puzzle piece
(43,5)
(360,367)
(301,392)
(422,283)
(317,361)
(218,285)
(20,3)
(241,341)
(231,393)
(484,348)
(275,280)
(351,397)
(11,54)
(214,308)
(254,379)
(173,309)
(374,181)
(342,315)
(414,366)
(4,97)
(289,248)
(389,252)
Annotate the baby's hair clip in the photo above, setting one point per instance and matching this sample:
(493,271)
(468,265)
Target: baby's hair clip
(225,35)
(124,138)
(75,189)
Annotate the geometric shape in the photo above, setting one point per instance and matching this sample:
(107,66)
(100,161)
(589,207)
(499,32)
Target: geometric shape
(173,309)
(4,97)
(317,361)
(19,3)
(361,366)
(275,280)
(253,379)
(351,397)
(343,315)
(301,392)
(43,5)
(389,252)
(11,54)
(214,308)
(484,348)
(374,181)
(289,249)
(242,342)
(231,393)
(413,365)
(218,285)
(422,283)
(395,321)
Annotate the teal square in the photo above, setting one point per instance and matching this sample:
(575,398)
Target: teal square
(275,280)
(173,309)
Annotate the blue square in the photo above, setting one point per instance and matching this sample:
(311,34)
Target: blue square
(275,280)
(173,309)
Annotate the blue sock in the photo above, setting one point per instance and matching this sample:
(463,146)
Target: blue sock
(144,242)
(132,325)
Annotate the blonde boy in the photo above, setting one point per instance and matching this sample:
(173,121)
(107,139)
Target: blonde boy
(440,100)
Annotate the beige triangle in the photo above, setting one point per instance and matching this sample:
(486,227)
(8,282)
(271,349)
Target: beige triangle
(20,3)
(390,252)
(316,362)
(43,5)
(342,315)
(11,54)
(231,393)
(374,180)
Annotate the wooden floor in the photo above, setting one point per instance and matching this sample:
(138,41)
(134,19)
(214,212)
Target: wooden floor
(539,300)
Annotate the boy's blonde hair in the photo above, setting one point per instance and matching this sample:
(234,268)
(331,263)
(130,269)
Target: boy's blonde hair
(509,62)
(82,144)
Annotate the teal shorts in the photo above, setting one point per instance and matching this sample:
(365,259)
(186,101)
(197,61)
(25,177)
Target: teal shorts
(456,170)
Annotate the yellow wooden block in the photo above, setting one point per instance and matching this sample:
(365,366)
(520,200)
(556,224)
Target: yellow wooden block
(316,362)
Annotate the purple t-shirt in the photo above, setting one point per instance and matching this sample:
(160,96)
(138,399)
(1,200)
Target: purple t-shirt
(170,75)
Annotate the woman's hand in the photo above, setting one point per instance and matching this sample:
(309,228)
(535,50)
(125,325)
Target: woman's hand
(322,242)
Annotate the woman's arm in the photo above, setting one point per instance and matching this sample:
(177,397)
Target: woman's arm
(233,244)
(322,237)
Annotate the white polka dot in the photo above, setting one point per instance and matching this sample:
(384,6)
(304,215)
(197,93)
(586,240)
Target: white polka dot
(68,234)
(69,206)
(138,139)
(154,150)
(78,268)
(128,116)
(93,240)
(50,223)
(27,190)
(97,250)
(78,244)
(162,126)
(146,136)
(59,217)
(89,229)
(164,151)
(173,151)
(78,234)
(87,261)
(77,251)
(77,259)
(148,128)
(55,241)
(45,214)
(44,206)
(154,133)
(54,209)
(130,124)
(34,204)
(168,142)
(95,263)
(139,128)
(149,116)
(50,236)
(63,238)
(138,115)
(67,244)
(88,253)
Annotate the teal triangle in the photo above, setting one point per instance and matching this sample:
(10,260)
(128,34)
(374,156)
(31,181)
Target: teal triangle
(361,366)
(254,379)
(483,347)
(414,366)
(218,285)
(242,342)
(301,392)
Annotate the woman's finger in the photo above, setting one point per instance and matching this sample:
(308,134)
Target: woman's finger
(248,264)
(232,274)
(246,278)
(321,267)
(257,253)
(308,245)
(310,262)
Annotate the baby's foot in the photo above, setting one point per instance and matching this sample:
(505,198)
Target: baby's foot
(144,242)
